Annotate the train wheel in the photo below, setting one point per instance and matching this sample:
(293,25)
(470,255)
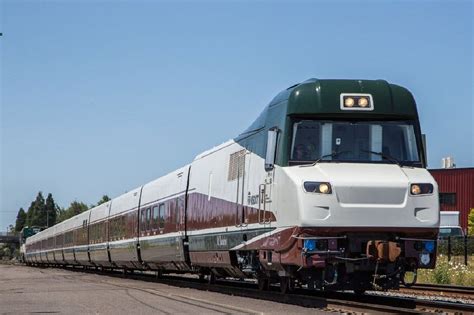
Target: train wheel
(211,278)
(312,284)
(159,274)
(287,285)
(202,277)
(263,283)
(359,291)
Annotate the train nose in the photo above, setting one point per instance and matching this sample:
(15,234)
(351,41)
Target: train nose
(360,184)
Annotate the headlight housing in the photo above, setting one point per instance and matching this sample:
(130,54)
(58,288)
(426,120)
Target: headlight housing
(421,189)
(318,187)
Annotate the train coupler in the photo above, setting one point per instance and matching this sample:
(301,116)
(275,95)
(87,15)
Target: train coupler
(383,250)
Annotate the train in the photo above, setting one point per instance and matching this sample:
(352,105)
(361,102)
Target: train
(327,189)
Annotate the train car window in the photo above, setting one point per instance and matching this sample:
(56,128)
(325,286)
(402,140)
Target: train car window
(174,211)
(162,216)
(118,228)
(143,221)
(113,229)
(123,225)
(101,230)
(180,211)
(155,217)
(148,219)
(96,233)
(68,238)
(110,224)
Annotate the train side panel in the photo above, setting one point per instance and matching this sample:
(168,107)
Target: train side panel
(224,209)
(98,236)
(162,228)
(122,226)
(81,238)
(58,244)
(68,246)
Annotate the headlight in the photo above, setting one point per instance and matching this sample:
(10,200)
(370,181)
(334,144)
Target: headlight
(421,189)
(356,101)
(317,187)
(349,102)
(415,189)
(363,102)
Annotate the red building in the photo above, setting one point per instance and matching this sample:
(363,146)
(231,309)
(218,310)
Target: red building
(456,190)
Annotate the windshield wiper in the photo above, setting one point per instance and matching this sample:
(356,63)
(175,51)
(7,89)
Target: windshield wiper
(385,156)
(333,154)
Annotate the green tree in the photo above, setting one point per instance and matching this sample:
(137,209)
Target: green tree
(470,222)
(74,209)
(42,212)
(77,207)
(36,215)
(29,214)
(20,220)
(50,209)
(104,199)
(39,218)
(7,252)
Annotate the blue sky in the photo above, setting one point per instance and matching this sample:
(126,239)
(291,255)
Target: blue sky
(100,97)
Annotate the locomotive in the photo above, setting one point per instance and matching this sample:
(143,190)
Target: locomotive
(326,189)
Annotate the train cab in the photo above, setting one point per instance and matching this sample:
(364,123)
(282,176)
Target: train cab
(349,180)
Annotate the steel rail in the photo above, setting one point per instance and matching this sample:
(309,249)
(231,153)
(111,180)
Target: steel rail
(436,290)
(444,288)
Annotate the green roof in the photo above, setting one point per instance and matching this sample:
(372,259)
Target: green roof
(323,97)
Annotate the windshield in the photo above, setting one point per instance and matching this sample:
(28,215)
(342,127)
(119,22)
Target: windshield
(374,141)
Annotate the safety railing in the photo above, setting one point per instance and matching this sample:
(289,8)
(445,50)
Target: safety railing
(457,248)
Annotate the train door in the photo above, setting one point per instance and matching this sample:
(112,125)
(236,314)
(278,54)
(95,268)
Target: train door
(241,219)
(181,200)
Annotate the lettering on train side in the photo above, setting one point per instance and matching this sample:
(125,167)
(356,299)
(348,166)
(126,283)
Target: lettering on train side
(252,199)
(221,240)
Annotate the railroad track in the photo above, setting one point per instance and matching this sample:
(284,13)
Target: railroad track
(331,301)
(438,291)
(455,289)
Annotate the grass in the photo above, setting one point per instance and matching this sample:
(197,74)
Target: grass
(452,272)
